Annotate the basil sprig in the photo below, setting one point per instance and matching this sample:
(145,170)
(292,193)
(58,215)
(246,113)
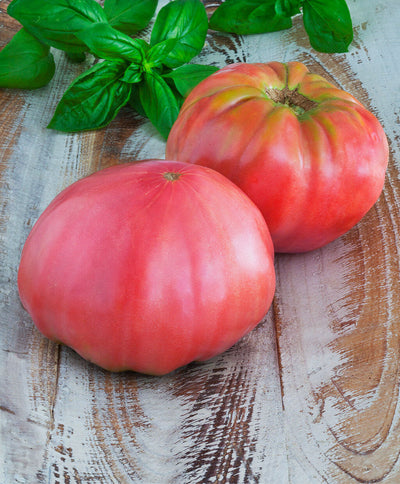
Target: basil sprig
(145,75)
(327,23)
(151,76)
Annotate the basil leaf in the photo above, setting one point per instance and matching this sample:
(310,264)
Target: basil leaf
(248,17)
(134,100)
(188,76)
(25,62)
(93,100)
(108,43)
(133,74)
(129,16)
(158,54)
(55,22)
(76,56)
(287,8)
(158,102)
(183,20)
(328,25)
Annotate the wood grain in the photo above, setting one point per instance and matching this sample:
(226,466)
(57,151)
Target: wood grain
(310,396)
(336,313)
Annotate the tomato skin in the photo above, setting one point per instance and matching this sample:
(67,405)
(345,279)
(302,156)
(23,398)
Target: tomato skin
(138,271)
(312,175)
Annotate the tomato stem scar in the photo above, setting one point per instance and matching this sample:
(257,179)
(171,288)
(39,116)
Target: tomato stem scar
(171,176)
(291,98)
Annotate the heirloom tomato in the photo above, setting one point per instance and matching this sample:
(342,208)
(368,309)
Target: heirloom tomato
(148,266)
(310,156)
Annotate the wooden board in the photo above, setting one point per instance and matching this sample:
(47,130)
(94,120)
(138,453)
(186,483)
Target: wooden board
(310,396)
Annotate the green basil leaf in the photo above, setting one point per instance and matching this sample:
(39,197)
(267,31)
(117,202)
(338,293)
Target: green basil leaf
(108,43)
(133,74)
(76,56)
(158,102)
(183,20)
(25,62)
(248,17)
(328,25)
(93,100)
(158,54)
(134,100)
(129,16)
(55,22)
(188,76)
(287,8)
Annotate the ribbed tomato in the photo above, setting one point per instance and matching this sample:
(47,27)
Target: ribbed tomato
(148,266)
(310,156)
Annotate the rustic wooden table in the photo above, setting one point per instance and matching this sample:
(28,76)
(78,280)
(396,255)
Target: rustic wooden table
(310,396)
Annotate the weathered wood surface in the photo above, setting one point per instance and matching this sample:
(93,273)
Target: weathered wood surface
(310,396)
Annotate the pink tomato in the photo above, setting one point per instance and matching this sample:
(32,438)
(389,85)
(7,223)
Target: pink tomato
(148,266)
(309,155)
